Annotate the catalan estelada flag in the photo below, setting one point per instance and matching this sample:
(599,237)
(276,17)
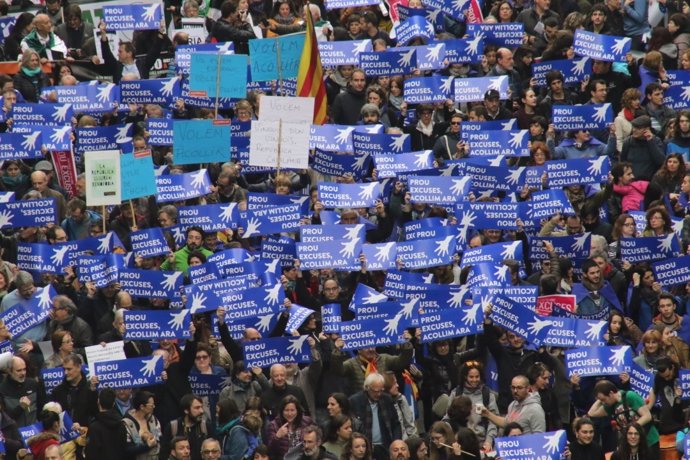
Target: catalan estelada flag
(310,75)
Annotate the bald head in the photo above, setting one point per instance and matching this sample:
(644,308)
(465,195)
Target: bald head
(39,181)
(43,24)
(278,375)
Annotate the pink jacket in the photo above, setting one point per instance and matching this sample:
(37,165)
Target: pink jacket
(633,194)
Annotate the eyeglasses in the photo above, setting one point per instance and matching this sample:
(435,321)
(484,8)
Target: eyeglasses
(203,357)
(454,123)
(210,451)
(633,434)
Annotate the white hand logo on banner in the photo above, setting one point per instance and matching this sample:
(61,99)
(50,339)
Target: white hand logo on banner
(620,44)
(408,307)
(264,323)
(459,185)
(677,227)
(406,58)
(508,125)
(456,297)
(29,142)
(432,15)
(150,12)
(514,177)
(224,47)
(384,252)
(170,280)
(272,294)
(60,133)
(538,324)
(198,178)
(253,225)
(472,45)
(594,330)
(299,200)
(447,84)
(226,212)
(398,142)
(509,250)
(352,233)
(600,113)
(374,297)
(177,320)
(367,191)
(596,164)
(121,135)
(580,241)
(470,317)
(433,52)
(360,47)
(348,249)
(448,170)
(501,273)
(104,245)
(459,5)
(579,66)
(428,278)
(496,83)
(198,301)
(295,347)
(551,444)
(358,165)
(149,368)
(168,87)
(666,244)
(272,266)
(516,138)
(422,159)
(104,91)
(177,234)
(344,134)
(44,298)
(618,356)
(59,255)
(443,247)
(391,327)
(60,114)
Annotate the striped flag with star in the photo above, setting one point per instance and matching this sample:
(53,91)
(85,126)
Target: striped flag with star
(310,82)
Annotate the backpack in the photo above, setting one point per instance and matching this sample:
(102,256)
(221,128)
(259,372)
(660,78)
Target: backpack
(252,441)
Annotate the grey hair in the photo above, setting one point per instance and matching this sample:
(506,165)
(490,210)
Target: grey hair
(23,278)
(373,378)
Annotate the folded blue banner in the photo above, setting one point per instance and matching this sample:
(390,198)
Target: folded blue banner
(101,270)
(42,114)
(246,303)
(580,171)
(492,253)
(641,380)
(115,137)
(208,385)
(133,17)
(493,143)
(396,283)
(429,57)
(275,219)
(51,378)
(183,54)
(231,256)
(51,137)
(28,213)
(421,228)
(267,352)
(334,195)
(601,47)
(441,190)
(157,324)
(380,143)
(335,164)
(153,284)
(130,373)
(413,27)
(544,446)
(451,322)
(347,52)
(16,146)
(204,273)
(474,89)
(510,314)
(573,247)
(494,125)
(149,242)
(281,248)
(330,318)
(270,200)
(428,90)
(598,361)
(581,117)
(390,164)
(366,295)
(426,253)
(454,9)
(181,187)
(20,318)
(210,217)
(297,316)
(264,324)
(331,138)
(162,91)
(370,333)
(644,249)
(543,205)
(263,57)
(573,70)
(86,97)
(488,274)
(381,256)
(506,34)
(672,272)
(389,310)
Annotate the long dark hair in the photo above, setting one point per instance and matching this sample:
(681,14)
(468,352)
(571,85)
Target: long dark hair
(624,448)
(335,424)
(289,399)
(466,368)
(227,411)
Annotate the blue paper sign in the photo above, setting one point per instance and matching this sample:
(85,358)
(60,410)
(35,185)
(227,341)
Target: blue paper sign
(672,271)
(16,146)
(389,165)
(372,143)
(338,53)
(492,253)
(196,100)
(495,125)
(474,89)
(130,373)
(133,17)
(426,253)
(156,324)
(370,333)
(28,213)
(573,70)
(339,255)
(677,97)
(115,137)
(581,171)
(181,187)
(208,385)
(441,190)
(51,137)
(282,248)
(505,34)
(601,47)
(330,318)
(161,91)
(21,317)
(388,63)
(88,98)
(138,177)
(201,141)
(581,117)
(598,361)
(641,380)
(101,270)
(210,217)
(396,283)
(381,256)
(414,27)
(451,322)
(493,143)
(275,219)
(428,90)
(154,284)
(246,302)
(644,249)
(149,242)
(331,138)
(267,352)
(334,164)
(222,75)
(337,4)
(334,195)
(51,378)
(544,446)
(487,215)
(42,114)
(545,204)
(263,57)
(573,247)
(464,51)
(429,57)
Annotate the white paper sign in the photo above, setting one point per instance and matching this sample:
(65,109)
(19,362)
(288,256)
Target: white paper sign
(103,181)
(112,351)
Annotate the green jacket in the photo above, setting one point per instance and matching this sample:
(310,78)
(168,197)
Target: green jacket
(181,256)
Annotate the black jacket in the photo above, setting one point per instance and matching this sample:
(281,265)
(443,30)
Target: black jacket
(115,67)
(81,402)
(238,34)
(106,437)
(347,105)
(389,423)
(30,87)
(11,391)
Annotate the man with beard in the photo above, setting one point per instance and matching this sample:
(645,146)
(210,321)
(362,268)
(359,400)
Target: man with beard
(178,260)
(348,103)
(399,450)
(191,426)
(311,448)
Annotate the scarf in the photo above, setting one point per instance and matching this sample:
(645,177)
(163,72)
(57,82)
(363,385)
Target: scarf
(31,73)
(288,21)
(370,367)
(628,114)
(427,130)
(228,426)
(35,42)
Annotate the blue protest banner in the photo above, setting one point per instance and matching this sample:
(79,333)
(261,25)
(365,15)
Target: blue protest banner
(275,219)
(298,315)
(421,228)
(365,295)
(439,190)
(495,125)
(372,143)
(183,54)
(16,146)
(342,255)
(451,322)
(390,164)
(101,270)
(544,446)
(334,195)
(88,98)
(201,141)
(336,4)
(474,89)
(210,217)
(208,385)
(641,380)
(326,233)
(28,213)
(426,253)
(204,273)
(598,361)
(282,248)
(28,431)
(677,97)
(51,378)
(42,114)
(154,284)
(263,57)
(388,63)
(216,74)
(331,138)
(162,91)
(413,27)
(246,303)
(464,51)
(543,205)
(330,318)
(51,258)
(181,187)
(429,57)
(427,90)
(335,164)
(267,352)
(396,282)
(642,249)
(347,52)
(6,26)
(488,215)
(115,137)
(381,256)
(149,242)
(157,324)
(506,34)
(51,137)
(138,177)
(133,17)
(488,177)
(573,70)
(371,333)
(568,332)
(130,373)
(493,143)
(160,131)
(672,271)
(573,247)
(585,117)
(20,318)
(601,47)
(580,171)
(510,314)
(492,253)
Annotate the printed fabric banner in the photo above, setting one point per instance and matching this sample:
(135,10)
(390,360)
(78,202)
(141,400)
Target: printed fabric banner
(452,322)
(474,89)
(181,187)
(133,17)
(598,361)
(581,117)
(508,34)
(601,47)
(157,324)
(162,91)
(130,373)
(580,171)
(542,446)
(334,195)
(642,249)
(672,271)
(267,352)
(347,52)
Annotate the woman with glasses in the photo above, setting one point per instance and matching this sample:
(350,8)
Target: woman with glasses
(441,436)
(449,146)
(632,445)
(203,364)
(63,346)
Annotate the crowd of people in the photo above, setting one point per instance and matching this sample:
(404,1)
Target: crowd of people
(410,401)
